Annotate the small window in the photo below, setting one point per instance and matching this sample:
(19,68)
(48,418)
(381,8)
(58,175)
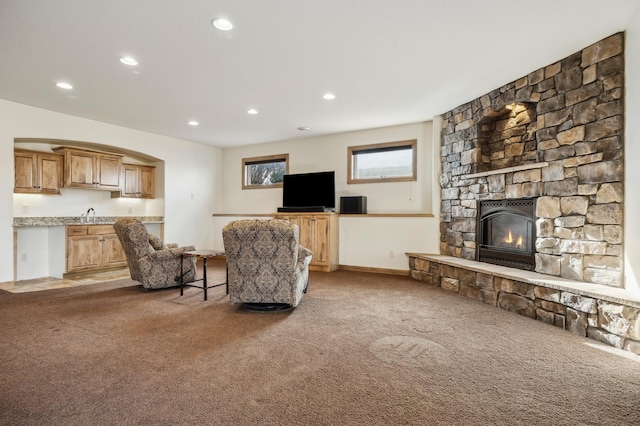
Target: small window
(383,162)
(264,172)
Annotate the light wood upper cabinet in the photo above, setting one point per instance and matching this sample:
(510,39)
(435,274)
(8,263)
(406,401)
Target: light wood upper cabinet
(109,171)
(91,169)
(37,172)
(139,181)
(70,167)
(318,233)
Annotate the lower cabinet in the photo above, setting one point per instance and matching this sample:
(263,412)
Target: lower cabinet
(92,248)
(318,233)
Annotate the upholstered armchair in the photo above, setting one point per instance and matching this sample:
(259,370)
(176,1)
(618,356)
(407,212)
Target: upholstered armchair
(267,268)
(151,262)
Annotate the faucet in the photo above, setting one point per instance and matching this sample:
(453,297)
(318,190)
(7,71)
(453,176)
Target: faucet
(90,209)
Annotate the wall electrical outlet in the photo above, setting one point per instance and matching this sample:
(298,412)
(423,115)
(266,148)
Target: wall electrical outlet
(129,209)
(25,208)
(24,257)
(391,253)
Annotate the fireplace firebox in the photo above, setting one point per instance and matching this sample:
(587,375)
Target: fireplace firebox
(506,233)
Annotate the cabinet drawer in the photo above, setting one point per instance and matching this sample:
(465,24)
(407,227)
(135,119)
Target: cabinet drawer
(100,229)
(76,230)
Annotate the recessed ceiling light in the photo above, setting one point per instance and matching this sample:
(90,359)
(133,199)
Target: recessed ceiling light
(252,111)
(222,24)
(64,85)
(304,129)
(193,123)
(329,96)
(128,60)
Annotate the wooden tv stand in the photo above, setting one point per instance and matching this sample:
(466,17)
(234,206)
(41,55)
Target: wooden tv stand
(318,233)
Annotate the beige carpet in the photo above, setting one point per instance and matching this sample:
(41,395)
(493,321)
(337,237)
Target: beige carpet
(361,349)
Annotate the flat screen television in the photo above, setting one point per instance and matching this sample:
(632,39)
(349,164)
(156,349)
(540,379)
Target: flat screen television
(309,191)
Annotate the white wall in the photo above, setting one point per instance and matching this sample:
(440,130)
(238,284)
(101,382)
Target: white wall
(632,155)
(191,175)
(378,242)
(324,153)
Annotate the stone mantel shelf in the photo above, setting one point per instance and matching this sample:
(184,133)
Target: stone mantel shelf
(508,170)
(611,294)
(19,222)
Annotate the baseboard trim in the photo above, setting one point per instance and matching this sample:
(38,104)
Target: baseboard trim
(387,271)
(78,275)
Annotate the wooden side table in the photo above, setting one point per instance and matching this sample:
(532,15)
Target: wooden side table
(204,255)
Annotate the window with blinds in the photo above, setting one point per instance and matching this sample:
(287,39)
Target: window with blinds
(384,162)
(264,172)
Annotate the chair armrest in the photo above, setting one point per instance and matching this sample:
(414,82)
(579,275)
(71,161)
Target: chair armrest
(165,254)
(304,257)
(156,242)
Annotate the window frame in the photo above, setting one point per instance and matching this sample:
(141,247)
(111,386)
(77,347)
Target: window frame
(263,159)
(411,143)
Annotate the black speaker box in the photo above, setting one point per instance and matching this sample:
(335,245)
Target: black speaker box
(353,205)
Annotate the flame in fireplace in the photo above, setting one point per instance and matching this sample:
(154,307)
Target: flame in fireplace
(518,242)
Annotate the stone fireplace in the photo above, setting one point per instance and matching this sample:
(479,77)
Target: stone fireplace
(554,136)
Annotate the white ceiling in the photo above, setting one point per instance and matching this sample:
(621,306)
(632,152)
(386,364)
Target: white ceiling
(387,61)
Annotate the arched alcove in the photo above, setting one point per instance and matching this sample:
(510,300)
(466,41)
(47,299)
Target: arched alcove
(45,144)
(507,138)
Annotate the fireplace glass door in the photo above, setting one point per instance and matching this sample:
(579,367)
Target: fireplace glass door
(506,233)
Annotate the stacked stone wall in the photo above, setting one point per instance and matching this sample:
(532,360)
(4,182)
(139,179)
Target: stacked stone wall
(555,135)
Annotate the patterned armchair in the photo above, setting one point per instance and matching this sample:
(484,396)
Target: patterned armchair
(152,263)
(267,268)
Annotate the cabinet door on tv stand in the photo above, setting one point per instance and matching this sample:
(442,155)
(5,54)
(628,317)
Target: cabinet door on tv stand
(319,234)
(306,233)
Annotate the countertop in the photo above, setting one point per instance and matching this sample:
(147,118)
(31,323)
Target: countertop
(76,220)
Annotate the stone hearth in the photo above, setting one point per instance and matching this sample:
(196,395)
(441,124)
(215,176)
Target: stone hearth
(606,314)
(556,135)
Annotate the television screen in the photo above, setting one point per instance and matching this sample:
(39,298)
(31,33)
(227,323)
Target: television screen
(309,190)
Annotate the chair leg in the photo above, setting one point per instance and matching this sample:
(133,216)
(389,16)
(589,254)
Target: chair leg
(306,286)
